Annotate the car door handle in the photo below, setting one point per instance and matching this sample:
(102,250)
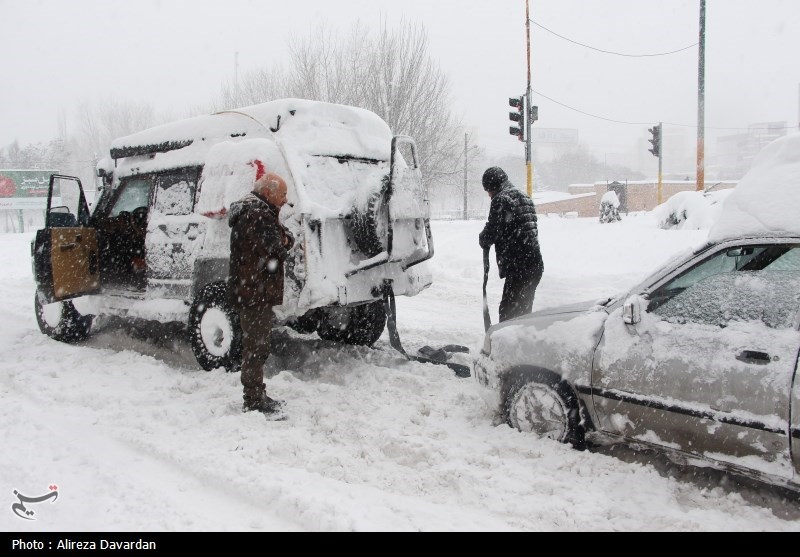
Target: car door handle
(65,247)
(753,357)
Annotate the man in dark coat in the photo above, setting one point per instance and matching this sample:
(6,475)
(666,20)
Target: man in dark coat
(512,229)
(255,281)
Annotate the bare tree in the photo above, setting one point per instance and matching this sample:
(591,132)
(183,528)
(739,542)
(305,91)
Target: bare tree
(261,85)
(390,72)
(98,124)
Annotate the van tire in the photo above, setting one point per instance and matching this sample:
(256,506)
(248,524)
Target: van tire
(370,224)
(214,329)
(363,324)
(68,325)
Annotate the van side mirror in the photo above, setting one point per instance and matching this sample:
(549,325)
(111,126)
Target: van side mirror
(632,310)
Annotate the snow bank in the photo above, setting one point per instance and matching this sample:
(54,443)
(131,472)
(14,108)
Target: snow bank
(690,210)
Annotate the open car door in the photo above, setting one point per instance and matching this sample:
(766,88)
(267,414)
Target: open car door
(65,255)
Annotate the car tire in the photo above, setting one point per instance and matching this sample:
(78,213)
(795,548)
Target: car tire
(370,224)
(360,325)
(214,329)
(61,321)
(541,403)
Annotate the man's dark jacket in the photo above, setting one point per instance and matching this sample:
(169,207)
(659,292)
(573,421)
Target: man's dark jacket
(512,229)
(257,253)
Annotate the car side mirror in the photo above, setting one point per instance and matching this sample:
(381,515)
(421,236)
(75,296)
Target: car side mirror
(632,310)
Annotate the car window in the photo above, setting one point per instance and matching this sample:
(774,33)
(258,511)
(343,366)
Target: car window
(175,193)
(771,297)
(732,260)
(134,193)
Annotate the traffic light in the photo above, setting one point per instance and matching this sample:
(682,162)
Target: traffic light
(656,141)
(518,116)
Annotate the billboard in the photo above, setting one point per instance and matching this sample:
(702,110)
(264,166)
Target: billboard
(24,189)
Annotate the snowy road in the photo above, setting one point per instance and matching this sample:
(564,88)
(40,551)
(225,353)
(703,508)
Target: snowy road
(138,438)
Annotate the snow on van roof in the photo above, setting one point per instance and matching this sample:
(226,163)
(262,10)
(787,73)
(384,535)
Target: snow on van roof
(767,199)
(307,127)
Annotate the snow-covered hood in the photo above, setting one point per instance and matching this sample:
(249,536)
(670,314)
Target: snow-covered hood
(548,315)
(561,339)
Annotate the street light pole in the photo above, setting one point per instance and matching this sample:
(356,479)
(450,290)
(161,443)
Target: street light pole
(701,101)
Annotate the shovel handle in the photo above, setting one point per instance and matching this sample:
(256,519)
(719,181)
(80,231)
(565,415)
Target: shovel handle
(487,320)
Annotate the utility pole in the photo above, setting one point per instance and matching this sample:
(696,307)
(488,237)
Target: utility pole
(701,101)
(465,176)
(529,119)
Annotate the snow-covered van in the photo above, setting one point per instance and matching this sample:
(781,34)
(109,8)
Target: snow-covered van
(156,244)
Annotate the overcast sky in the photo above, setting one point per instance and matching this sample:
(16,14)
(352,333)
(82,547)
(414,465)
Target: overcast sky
(176,53)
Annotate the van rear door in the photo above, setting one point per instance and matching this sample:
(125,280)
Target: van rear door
(410,241)
(65,255)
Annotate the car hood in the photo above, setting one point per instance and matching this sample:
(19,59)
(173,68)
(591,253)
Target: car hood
(560,339)
(552,314)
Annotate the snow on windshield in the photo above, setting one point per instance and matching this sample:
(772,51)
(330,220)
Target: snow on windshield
(771,297)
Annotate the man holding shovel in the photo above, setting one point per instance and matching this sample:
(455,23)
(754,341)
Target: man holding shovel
(512,230)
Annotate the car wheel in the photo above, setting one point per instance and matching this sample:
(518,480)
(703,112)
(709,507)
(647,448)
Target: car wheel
(361,325)
(370,224)
(214,329)
(546,406)
(61,321)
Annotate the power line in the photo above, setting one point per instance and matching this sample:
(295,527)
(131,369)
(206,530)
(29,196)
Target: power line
(610,51)
(650,123)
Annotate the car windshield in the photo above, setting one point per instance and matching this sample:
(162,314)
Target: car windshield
(135,193)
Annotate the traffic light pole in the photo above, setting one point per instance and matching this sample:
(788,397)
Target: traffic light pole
(660,160)
(529,113)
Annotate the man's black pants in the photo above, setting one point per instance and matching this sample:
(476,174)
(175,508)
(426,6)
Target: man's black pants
(518,293)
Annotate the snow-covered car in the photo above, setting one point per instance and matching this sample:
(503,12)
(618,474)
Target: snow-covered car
(698,360)
(157,244)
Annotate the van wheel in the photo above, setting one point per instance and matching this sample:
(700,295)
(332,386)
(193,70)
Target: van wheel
(371,224)
(214,329)
(61,321)
(361,325)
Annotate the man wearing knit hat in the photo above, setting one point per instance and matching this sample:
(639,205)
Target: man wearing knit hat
(512,230)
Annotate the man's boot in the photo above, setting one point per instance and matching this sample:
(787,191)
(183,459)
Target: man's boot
(257,399)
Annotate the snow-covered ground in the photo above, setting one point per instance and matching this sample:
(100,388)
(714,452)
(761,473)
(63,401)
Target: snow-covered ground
(137,438)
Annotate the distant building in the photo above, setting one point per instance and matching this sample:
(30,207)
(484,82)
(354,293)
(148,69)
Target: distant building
(551,143)
(735,153)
